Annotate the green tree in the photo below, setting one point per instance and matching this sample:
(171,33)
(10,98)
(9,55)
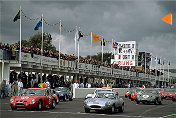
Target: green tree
(36,41)
(106,57)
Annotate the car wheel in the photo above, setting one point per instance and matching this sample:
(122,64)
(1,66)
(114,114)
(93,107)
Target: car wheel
(70,99)
(121,109)
(125,96)
(132,99)
(160,102)
(57,101)
(156,102)
(112,110)
(173,99)
(143,102)
(54,103)
(137,102)
(13,108)
(87,110)
(39,107)
(65,97)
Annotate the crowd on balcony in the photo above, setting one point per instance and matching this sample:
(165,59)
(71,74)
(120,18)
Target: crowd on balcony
(12,49)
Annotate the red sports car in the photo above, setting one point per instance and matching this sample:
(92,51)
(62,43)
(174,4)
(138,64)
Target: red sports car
(169,93)
(33,98)
(135,93)
(128,93)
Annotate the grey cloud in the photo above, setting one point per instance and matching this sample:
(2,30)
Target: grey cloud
(119,20)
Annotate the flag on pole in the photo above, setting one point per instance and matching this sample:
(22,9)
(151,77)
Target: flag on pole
(80,34)
(60,27)
(17,16)
(96,38)
(169,63)
(39,24)
(103,42)
(159,62)
(76,36)
(115,44)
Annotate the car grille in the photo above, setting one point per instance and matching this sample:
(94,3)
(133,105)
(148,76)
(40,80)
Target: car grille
(19,104)
(95,106)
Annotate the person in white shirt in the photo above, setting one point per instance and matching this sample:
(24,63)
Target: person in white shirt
(20,86)
(76,85)
(48,83)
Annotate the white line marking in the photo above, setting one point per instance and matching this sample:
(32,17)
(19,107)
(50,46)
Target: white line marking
(167,116)
(81,113)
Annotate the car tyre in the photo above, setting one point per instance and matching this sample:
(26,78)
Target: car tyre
(53,104)
(121,109)
(39,107)
(156,102)
(65,98)
(70,99)
(159,102)
(138,102)
(112,110)
(87,110)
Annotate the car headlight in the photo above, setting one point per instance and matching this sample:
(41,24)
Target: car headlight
(11,100)
(33,101)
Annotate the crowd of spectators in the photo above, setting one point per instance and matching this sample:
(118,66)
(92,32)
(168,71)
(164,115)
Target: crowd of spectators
(12,49)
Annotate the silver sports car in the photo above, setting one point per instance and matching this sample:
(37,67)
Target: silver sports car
(104,100)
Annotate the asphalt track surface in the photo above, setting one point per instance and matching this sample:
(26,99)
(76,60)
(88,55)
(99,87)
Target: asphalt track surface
(74,109)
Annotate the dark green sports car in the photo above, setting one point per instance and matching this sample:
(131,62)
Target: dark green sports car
(149,96)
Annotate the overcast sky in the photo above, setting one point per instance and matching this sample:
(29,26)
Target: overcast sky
(119,20)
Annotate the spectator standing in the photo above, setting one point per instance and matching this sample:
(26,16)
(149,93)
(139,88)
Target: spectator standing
(76,85)
(48,83)
(3,84)
(20,86)
(14,88)
(13,53)
(81,85)
(101,85)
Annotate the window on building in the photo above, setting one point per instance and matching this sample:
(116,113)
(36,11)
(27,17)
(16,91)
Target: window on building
(132,56)
(128,57)
(119,56)
(124,56)
(132,45)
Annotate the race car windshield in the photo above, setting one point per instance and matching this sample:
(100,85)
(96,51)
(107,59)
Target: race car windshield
(169,90)
(101,90)
(110,96)
(34,92)
(150,91)
(60,89)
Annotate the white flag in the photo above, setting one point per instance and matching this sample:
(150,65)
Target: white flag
(76,38)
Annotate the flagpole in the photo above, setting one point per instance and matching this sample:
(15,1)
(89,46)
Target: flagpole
(168,73)
(91,46)
(114,50)
(20,41)
(20,36)
(42,41)
(150,64)
(163,74)
(160,73)
(59,42)
(145,66)
(156,70)
(75,40)
(78,47)
(102,51)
